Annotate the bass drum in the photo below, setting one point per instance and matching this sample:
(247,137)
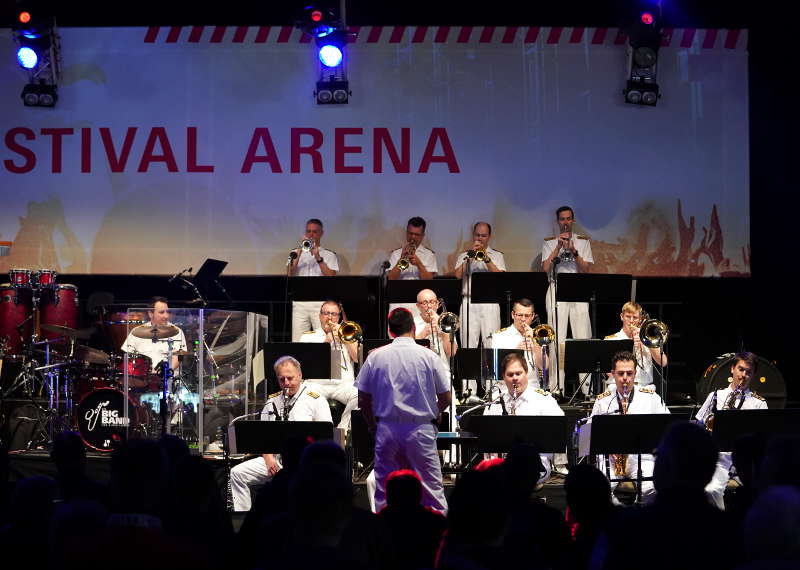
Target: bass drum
(767,380)
(102,422)
(59,307)
(15,308)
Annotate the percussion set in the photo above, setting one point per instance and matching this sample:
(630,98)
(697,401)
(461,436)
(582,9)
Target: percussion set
(44,359)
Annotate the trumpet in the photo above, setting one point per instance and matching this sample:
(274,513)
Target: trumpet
(306,244)
(477,255)
(405,262)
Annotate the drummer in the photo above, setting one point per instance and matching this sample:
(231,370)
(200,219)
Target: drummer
(156,351)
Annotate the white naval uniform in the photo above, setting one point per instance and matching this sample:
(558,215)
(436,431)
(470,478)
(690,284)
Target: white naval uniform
(573,313)
(719,481)
(156,351)
(427,258)
(644,360)
(306,406)
(483,318)
(404,379)
(305,314)
(340,389)
(509,338)
(642,401)
(532,402)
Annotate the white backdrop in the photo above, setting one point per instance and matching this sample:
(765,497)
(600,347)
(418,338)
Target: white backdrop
(142,166)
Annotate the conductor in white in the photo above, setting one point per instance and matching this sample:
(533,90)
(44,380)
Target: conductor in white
(737,396)
(293,403)
(629,399)
(402,390)
(522,399)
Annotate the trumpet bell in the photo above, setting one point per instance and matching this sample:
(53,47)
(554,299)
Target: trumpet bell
(449,323)
(403,264)
(477,255)
(653,333)
(350,331)
(306,244)
(544,335)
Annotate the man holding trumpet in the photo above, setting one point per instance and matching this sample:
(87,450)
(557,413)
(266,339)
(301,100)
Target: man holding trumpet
(478,319)
(343,354)
(631,316)
(412,261)
(310,259)
(520,336)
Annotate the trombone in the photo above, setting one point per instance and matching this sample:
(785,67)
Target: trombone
(652,332)
(405,262)
(348,332)
(449,323)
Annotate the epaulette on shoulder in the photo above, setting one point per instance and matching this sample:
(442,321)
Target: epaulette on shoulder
(498,251)
(758,396)
(309,332)
(312,394)
(579,236)
(647,389)
(542,392)
(501,330)
(275,395)
(549,238)
(605,394)
(608,337)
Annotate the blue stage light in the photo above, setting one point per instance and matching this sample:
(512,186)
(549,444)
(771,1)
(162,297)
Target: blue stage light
(27,57)
(330,55)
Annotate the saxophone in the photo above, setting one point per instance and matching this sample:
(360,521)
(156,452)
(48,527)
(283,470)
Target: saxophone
(620,460)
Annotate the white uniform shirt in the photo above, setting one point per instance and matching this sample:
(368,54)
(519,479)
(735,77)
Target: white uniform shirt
(752,401)
(156,351)
(307,266)
(583,246)
(644,361)
(341,365)
(420,324)
(305,406)
(532,402)
(404,380)
(480,266)
(509,338)
(426,257)
(644,401)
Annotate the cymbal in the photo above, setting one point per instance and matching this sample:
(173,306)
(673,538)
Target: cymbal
(160,331)
(82,334)
(91,355)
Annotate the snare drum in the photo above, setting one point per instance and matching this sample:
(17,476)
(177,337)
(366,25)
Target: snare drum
(140,374)
(15,308)
(20,277)
(46,277)
(59,307)
(102,422)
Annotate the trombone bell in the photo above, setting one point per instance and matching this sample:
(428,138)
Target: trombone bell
(449,323)
(653,333)
(544,335)
(350,331)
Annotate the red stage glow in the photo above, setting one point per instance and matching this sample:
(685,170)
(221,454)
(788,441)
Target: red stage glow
(24,17)
(647,18)
(316,16)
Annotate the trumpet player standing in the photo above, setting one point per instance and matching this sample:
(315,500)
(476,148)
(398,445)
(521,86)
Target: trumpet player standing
(412,261)
(631,317)
(343,354)
(478,320)
(310,259)
(737,396)
(566,253)
(520,336)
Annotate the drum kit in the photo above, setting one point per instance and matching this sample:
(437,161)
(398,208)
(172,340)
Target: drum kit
(44,360)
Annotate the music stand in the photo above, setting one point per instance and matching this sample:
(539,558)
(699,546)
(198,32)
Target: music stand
(259,437)
(475,363)
(208,274)
(314,357)
(631,434)
(508,286)
(591,355)
(498,434)
(730,425)
(405,290)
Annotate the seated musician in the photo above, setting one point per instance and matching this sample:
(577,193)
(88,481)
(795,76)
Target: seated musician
(737,396)
(159,314)
(631,317)
(427,325)
(523,399)
(295,402)
(343,356)
(520,336)
(627,398)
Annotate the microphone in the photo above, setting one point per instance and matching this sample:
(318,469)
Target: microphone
(556,260)
(385,265)
(292,255)
(179,273)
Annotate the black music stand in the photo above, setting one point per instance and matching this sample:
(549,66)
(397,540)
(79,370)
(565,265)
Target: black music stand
(508,286)
(352,291)
(475,363)
(498,434)
(314,357)
(631,434)
(254,436)
(405,290)
(208,275)
(592,355)
(730,425)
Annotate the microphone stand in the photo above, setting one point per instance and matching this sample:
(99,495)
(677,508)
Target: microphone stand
(289,260)
(382,304)
(554,281)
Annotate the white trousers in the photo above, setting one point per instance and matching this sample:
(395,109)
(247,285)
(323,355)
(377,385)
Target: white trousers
(483,320)
(575,315)
(631,471)
(715,490)
(305,317)
(340,390)
(250,472)
(409,446)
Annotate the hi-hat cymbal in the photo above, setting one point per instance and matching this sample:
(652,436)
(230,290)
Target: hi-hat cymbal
(82,334)
(91,355)
(160,331)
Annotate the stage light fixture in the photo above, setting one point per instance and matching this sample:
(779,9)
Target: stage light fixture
(320,19)
(38,53)
(333,92)
(27,57)
(643,29)
(39,95)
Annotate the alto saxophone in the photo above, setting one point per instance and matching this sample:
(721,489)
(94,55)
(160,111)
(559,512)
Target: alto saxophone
(620,460)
